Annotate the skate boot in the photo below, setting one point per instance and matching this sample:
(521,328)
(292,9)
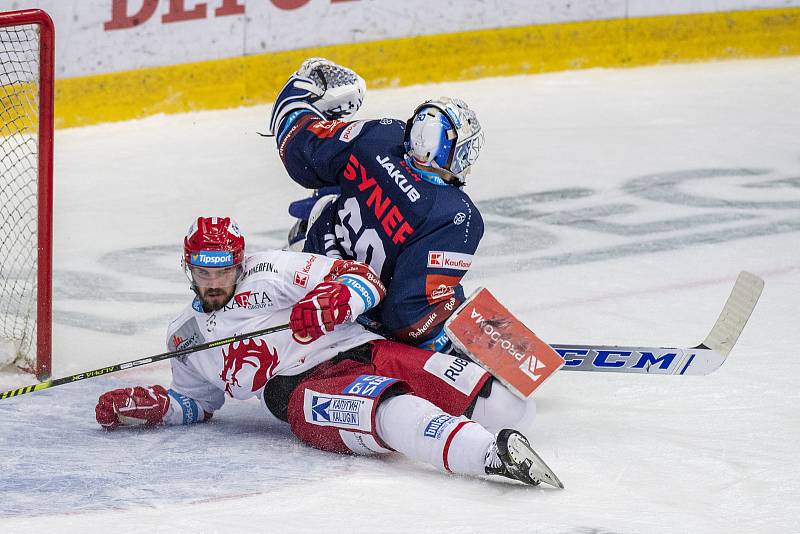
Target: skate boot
(513,457)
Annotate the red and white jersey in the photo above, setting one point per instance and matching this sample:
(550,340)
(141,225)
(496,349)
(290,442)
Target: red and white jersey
(272,282)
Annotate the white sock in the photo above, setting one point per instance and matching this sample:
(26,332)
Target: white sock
(502,409)
(420,430)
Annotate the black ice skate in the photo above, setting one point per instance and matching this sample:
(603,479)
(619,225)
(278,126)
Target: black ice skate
(513,457)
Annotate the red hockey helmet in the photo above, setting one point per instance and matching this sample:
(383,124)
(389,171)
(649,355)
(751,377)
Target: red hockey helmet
(211,243)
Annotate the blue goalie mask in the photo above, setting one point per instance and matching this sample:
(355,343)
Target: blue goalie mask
(444,134)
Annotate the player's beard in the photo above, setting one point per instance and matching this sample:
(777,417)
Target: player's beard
(215,298)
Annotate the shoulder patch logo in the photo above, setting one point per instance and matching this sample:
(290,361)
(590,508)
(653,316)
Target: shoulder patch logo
(188,335)
(300,279)
(351,132)
(326,129)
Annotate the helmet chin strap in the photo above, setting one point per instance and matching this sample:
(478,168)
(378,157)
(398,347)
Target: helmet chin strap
(436,175)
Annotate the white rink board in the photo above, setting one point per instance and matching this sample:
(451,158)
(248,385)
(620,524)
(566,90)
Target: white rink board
(88,44)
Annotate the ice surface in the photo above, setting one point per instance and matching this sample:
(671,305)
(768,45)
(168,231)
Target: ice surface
(620,206)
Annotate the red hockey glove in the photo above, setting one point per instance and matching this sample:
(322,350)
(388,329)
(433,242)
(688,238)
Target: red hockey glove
(318,312)
(132,406)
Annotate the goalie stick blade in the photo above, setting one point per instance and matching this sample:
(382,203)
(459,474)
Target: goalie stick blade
(703,359)
(738,308)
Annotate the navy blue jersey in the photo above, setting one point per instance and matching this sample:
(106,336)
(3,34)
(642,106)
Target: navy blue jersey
(419,236)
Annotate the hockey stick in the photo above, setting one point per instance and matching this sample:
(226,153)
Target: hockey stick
(703,359)
(137,363)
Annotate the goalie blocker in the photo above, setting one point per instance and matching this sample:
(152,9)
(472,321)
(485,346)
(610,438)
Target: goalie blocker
(492,336)
(487,332)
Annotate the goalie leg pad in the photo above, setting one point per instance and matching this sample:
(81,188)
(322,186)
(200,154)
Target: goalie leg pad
(308,211)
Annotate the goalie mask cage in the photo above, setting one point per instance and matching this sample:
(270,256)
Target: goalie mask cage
(26,170)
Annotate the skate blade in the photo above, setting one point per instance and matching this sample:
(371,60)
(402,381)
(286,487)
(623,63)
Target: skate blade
(539,470)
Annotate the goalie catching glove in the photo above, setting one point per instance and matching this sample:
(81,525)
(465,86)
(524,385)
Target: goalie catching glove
(321,87)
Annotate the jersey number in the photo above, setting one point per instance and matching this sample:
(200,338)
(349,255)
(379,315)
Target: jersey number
(363,244)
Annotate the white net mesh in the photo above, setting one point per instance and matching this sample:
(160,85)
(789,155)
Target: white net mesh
(19,97)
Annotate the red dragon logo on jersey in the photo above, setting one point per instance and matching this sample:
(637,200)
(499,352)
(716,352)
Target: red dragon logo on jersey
(248,352)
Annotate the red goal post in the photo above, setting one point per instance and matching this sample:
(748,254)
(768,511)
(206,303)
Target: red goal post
(27,61)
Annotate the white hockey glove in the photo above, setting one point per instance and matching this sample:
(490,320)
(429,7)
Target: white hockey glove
(341,91)
(322,87)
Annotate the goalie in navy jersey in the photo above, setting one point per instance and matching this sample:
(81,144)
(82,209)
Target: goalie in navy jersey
(338,386)
(389,193)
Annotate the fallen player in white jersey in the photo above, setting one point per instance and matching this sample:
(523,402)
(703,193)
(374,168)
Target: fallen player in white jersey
(339,386)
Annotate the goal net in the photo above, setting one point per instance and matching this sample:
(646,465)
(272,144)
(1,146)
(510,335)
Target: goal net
(26,133)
